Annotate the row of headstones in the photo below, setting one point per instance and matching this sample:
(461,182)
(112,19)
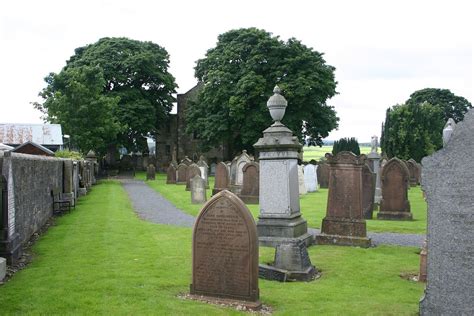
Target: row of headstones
(241,176)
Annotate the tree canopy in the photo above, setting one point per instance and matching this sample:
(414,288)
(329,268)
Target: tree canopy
(115,91)
(238,77)
(414,129)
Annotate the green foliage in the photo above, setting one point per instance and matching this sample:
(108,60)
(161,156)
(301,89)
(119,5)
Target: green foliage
(238,77)
(68,154)
(115,91)
(453,106)
(346,144)
(414,129)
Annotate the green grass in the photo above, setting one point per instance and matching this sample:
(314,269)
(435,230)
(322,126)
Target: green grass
(103,260)
(313,206)
(316,152)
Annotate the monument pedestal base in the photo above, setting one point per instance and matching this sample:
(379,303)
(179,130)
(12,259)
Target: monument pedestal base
(275,231)
(397,216)
(10,249)
(344,232)
(276,274)
(255,306)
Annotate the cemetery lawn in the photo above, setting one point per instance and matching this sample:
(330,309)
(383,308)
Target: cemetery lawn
(316,152)
(103,259)
(313,206)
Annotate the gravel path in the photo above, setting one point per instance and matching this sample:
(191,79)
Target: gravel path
(153,207)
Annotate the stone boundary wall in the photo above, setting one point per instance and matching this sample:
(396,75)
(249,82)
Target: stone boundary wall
(30,181)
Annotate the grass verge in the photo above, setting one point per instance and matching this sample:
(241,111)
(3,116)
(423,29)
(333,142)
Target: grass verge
(103,259)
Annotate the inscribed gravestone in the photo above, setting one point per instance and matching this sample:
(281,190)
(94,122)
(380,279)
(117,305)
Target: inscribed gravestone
(447,181)
(198,190)
(171,174)
(225,251)
(192,170)
(181,173)
(310,180)
(301,185)
(250,186)
(344,223)
(368,191)
(150,172)
(221,180)
(395,182)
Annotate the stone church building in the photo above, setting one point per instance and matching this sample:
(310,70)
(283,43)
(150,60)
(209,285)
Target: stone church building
(173,141)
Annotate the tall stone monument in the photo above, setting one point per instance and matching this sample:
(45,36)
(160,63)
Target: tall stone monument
(280,217)
(374,162)
(447,177)
(344,223)
(225,251)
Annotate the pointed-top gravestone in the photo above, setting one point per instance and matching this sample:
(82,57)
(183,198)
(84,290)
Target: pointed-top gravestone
(225,251)
(236,173)
(412,169)
(186,161)
(447,178)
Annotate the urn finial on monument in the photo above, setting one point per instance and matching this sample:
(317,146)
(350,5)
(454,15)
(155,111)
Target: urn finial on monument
(277,105)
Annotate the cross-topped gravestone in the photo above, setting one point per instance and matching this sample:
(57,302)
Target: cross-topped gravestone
(225,251)
(447,178)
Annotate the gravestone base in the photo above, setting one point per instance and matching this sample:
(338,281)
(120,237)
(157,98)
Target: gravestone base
(397,216)
(249,199)
(292,263)
(272,273)
(255,306)
(10,249)
(180,182)
(82,191)
(275,231)
(323,239)
(69,197)
(235,189)
(343,232)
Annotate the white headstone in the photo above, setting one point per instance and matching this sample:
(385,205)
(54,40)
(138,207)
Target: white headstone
(310,178)
(301,182)
(198,190)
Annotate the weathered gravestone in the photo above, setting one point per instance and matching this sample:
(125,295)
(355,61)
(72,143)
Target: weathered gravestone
(323,175)
(150,172)
(202,164)
(10,246)
(236,173)
(374,163)
(192,170)
(225,251)
(447,178)
(310,178)
(301,186)
(3,268)
(186,161)
(395,181)
(250,185)
(412,169)
(181,173)
(198,190)
(171,174)
(68,184)
(344,223)
(423,255)
(368,191)
(221,180)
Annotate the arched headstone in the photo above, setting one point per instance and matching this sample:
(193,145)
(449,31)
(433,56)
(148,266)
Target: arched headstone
(250,187)
(221,180)
(225,251)
(171,174)
(181,173)
(323,175)
(395,182)
(191,172)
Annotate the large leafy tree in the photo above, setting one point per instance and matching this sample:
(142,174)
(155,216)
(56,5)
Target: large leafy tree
(238,76)
(453,106)
(129,97)
(414,129)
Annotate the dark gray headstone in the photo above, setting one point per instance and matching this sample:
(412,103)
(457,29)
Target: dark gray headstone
(447,178)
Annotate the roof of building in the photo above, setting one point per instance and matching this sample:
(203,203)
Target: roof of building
(23,146)
(4,147)
(44,134)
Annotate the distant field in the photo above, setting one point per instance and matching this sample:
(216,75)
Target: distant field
(316,152)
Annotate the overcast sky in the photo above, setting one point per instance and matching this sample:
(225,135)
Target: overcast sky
(382,50)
